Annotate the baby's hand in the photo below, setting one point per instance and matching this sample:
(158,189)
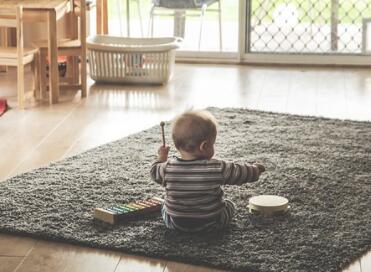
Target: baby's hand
(163,152)
(260,167)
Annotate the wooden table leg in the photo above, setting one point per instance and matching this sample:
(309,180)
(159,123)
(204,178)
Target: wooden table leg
(53,57)
(72,62)
(102,17)
(43,80)
(99,17)
(105,16)
(3,43)
(83,53)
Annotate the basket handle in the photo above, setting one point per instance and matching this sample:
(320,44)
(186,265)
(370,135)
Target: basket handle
(178,39)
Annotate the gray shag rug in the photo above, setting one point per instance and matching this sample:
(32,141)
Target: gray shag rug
(322,166)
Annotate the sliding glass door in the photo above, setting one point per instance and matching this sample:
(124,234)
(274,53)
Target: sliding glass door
(303,29)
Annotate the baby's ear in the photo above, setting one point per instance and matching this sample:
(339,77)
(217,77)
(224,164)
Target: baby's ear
(203,145)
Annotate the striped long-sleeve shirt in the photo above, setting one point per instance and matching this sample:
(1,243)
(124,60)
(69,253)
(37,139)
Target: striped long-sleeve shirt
(193,188)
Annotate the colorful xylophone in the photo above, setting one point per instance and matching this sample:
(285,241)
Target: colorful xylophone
(122,212)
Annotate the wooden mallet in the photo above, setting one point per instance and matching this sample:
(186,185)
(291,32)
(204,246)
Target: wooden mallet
(162,124)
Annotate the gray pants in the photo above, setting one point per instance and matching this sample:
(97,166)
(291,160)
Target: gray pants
(194,225)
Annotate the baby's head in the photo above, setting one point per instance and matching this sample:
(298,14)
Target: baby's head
(194,134)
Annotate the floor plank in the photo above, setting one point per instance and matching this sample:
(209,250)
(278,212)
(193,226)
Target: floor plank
(180,267)
(15,246)
(132,264)
(47,256)
(8,264)
(353,267)
(50,256)
(88,259)
(29,135)
(366,262)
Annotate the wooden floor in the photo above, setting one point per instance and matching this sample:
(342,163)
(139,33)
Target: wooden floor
(43,133)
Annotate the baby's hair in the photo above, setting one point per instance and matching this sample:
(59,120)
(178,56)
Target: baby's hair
(191,128)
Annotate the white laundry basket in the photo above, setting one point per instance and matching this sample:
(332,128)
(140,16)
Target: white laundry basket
(131,60)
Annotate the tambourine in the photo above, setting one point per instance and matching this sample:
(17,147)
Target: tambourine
(268,205)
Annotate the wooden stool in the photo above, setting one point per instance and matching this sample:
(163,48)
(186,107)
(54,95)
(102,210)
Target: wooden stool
(73,48)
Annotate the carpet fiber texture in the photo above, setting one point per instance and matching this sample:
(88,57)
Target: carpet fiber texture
(322,166)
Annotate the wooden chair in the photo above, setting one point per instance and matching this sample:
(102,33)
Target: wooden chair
(18,55)
(182,6)
(73,47)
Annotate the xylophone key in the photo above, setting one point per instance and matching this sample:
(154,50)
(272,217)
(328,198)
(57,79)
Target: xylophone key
(118,209)
(151,204)
(144,206)
(126,206)
(140,203)
(127,209)
(139,207)
(111,210)
(130,205)
(154,202)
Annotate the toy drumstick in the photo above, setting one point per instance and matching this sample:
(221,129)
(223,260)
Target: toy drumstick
(162,124)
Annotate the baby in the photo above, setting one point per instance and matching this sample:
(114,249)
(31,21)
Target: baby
(194,198)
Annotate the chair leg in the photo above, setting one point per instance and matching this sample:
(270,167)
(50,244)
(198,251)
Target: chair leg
(72,72)
(20,86)
(69,70)
(220,26)
(3,43)
(42,76)
(120,15)
(35,73)
(151,21)
(204,7)
(33,68)
(83,74)
(76,69)
(140,18)
(127,18)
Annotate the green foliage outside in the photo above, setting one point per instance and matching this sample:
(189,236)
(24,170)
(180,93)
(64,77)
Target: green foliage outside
(317,12)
